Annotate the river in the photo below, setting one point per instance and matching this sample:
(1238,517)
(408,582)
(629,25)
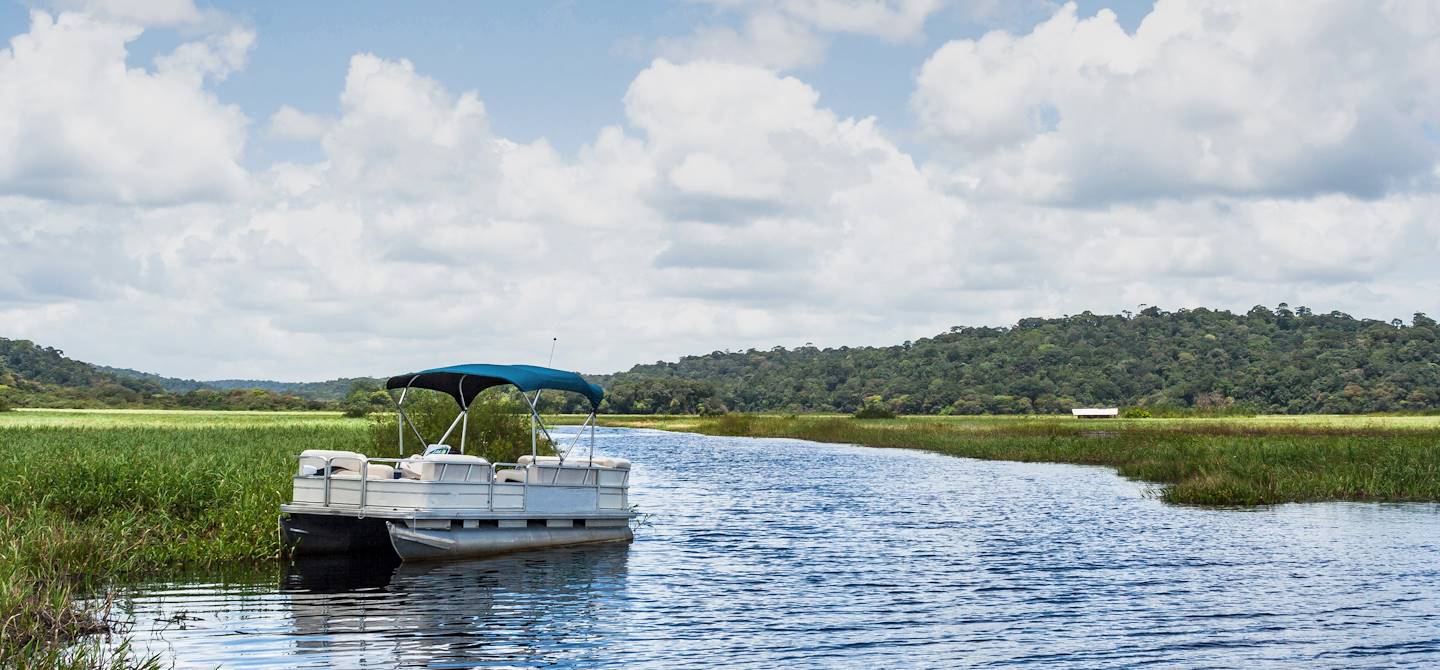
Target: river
(786,553)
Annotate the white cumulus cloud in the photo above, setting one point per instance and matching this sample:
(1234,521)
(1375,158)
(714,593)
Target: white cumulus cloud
(288,123)
(789,34)
(77,123)
(139,12)
(727,208)
(1206,97)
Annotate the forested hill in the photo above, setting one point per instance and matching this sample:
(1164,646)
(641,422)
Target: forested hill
(1280,360)
(32,375)
(332,390)
(30,370)
(1265,360)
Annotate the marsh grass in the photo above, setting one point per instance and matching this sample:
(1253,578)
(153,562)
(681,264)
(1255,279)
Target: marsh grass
(91,498)
(1222,462)
(42,614)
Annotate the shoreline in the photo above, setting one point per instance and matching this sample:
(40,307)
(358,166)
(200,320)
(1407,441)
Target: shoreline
(1221,462)
(93,497)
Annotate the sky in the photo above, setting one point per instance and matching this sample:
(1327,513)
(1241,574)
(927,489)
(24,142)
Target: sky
(301,191)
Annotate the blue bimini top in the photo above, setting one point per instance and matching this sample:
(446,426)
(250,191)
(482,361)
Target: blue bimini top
(464,382)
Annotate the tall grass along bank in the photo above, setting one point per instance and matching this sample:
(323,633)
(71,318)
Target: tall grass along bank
(1252,461)
(87,498)
(91,497)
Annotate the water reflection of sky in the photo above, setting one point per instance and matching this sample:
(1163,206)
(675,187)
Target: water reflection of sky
(776,552)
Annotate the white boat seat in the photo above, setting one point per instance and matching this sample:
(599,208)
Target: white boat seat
(379,471)
(446,468)
(510,476)
(372,471)
(315,460)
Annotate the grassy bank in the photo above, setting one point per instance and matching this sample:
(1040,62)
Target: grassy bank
(1247,461)
(88,498)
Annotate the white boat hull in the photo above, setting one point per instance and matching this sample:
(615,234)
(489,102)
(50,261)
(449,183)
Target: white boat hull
(431,539)
(416,544)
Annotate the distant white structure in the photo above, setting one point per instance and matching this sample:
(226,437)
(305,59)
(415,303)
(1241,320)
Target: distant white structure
(1096,412)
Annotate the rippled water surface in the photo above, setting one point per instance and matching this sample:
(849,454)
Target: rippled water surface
(784,553)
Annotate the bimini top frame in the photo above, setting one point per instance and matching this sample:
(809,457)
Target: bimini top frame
(464,382)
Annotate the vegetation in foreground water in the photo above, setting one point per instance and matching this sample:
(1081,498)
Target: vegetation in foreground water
(1265,460)
(81,505)
(89,498)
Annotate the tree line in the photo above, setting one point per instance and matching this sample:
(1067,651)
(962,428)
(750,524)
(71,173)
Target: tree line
(32,375)
(1279,360)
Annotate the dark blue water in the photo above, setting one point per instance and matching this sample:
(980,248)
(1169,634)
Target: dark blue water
(784,553)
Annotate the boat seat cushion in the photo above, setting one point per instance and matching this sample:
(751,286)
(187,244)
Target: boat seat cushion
(378,471)
(315,460)
(513,476)
(373,471)
(446,468)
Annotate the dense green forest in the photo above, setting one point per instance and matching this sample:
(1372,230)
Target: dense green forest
(332,390)
(1278,360)
(37,376)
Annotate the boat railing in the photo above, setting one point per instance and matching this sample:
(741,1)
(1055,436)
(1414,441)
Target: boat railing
(524,483)
(364,472)
(592,477)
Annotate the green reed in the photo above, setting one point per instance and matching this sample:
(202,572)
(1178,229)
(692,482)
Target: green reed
(91,498)
(87,498)
(1243,461)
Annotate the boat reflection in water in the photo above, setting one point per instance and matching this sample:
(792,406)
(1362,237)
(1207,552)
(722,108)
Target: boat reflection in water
(533,608)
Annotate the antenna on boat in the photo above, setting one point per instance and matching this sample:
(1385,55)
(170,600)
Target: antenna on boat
(551,362)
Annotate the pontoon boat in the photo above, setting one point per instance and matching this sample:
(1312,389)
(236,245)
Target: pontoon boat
(444,503)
